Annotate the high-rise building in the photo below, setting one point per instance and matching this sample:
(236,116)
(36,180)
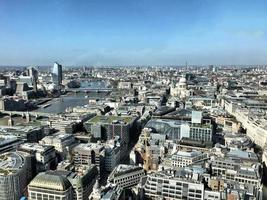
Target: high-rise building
(57,75)
(15,173)
(32,72)
(111,127)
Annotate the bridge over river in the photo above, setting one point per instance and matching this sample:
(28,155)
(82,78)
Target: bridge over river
(86,90)
(31,113)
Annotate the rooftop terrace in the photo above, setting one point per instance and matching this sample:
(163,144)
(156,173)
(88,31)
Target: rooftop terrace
(110,119)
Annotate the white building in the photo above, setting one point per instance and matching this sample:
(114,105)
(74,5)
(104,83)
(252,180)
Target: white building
(256,127)
(183,158)
(61,141)
(180,90)
(45,155)
(244,171)
(126,176)
(172,185)
(125,85)
(212,195)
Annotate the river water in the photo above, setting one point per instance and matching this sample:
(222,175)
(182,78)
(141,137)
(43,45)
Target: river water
(59,105)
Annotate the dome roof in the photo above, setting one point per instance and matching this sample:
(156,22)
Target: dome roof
(49,180)
(182,80)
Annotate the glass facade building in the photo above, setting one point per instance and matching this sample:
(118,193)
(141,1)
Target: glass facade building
(57,75)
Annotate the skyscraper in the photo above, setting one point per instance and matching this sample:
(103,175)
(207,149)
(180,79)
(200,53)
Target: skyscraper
(33,73)
(15,173)
(57,74)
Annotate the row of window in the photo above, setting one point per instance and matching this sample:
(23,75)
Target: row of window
(39,196)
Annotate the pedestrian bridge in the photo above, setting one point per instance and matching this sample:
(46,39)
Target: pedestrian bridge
(31,113)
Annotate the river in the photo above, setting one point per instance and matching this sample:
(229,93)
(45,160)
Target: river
(59,105)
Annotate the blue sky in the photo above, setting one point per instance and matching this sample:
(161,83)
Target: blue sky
(122,32)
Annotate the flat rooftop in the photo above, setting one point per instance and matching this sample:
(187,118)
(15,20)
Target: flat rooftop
(80,171)
(88,146)
(19,128)
(58,136)
(111,119)
(35,147)
(171,122)
(6,139)
(180,175)
(186,154)
(124,169)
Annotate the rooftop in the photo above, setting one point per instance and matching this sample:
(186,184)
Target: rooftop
(124,169)
(58,136)
(88,146)
(172,123)
(187,154)
(20,128)
(50,180)
(242,154)
(35,147)
(110,119)
(10,163)
(5,139)
(180,174)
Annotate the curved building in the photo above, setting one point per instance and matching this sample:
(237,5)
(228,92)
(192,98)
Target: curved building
(57,75)
(49,185)
(14,174)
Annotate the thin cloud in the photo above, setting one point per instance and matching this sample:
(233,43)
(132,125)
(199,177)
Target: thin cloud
(251,33)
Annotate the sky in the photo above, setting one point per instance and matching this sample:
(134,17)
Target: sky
(133,32)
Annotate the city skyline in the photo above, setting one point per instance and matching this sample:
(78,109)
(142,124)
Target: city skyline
(133,32)
(133,133)
(133,99)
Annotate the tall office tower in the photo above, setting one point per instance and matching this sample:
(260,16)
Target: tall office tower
(57,75)
(33,73)
(15,173)
(50,186)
